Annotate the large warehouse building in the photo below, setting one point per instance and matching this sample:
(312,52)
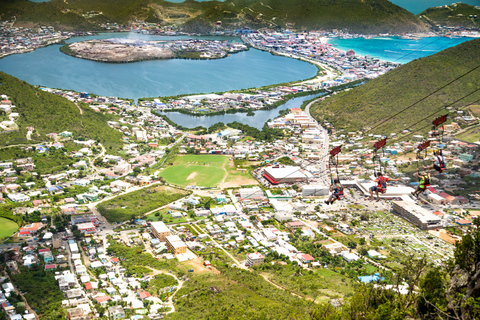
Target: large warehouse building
(417,215)
(287,174)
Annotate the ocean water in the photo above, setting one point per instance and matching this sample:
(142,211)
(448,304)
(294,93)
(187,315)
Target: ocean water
(417,6)
(395,49)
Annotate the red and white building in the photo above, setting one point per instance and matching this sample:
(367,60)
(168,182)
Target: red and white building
(306,258)
(30,229)
(255,259)
(86,227)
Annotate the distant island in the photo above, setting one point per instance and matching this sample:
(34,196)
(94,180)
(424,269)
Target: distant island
(128,50)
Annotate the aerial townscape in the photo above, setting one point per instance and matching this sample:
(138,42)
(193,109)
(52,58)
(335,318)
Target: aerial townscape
(276,159)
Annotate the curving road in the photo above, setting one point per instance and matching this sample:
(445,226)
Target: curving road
(322,165)
(179,286)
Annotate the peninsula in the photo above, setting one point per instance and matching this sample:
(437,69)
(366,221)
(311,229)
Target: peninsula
(128,50)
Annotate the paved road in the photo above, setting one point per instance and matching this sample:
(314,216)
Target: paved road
(322,165)
(234,200)
(91,161)
(179,286)
(70,265)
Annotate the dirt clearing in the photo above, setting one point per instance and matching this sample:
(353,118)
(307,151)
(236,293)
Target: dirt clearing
(192,176)
(198,267)
(446,236)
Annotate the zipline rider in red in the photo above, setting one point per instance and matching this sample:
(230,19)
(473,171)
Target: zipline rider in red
(381,186)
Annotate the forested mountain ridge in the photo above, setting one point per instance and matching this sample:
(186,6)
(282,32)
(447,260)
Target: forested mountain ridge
(360,16)
(454,15)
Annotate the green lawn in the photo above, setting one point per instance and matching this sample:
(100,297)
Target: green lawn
(200,170)
(139,202)
(159,282)
(201,159)
(165,217)
(355,206)
(321,284)
(8,228)
(471,135)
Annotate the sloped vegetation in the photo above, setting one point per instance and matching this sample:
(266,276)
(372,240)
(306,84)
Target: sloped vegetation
(47,112)
(137,203)
(454,15)
(368,105)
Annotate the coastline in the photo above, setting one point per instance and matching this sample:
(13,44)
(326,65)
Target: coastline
(403,52)
(271,107)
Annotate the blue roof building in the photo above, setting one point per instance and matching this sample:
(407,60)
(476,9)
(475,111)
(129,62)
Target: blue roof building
(54,189)
(368,279)
(224,133)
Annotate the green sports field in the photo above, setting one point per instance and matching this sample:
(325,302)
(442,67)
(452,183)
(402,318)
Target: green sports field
(7,228)
(199,170)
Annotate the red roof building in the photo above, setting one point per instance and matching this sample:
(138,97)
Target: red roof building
(295,224)
(296,110)
(115,260)
(191,137)
(68,210)
(37,203)
(102,299)
(31,228)
(450,199)
(110,175)
(306,258)
(144,294)
(463,222)
(432,190)
(88,286)
(50,266)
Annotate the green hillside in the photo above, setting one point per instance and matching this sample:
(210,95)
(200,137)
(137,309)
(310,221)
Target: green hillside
(454,15)
(362,16)
(368,16)
(47,113)
(369,104)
